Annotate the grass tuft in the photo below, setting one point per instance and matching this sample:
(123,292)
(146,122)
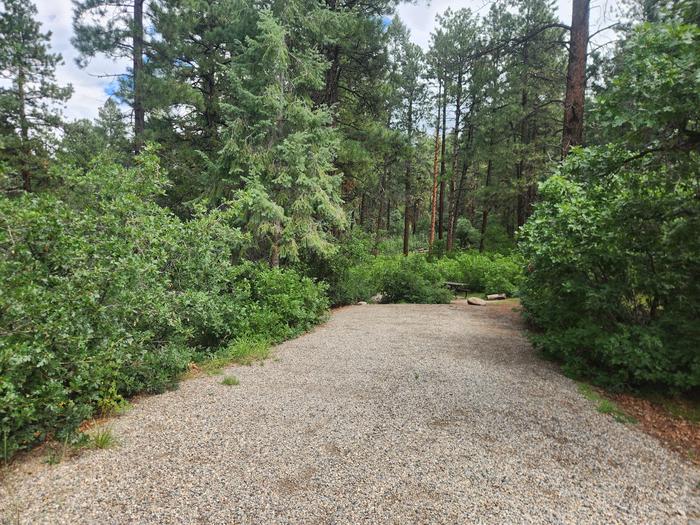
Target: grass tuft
(605,406)
(102,438)
(242,351)
(230,381)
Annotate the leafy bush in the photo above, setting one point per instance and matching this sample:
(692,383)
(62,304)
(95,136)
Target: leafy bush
(343,270)
(613,282)
(484,272)
(105,294)
(467,236)
(410,279)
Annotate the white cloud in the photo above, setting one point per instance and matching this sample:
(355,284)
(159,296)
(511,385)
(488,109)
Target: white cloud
(420,17)
(88,84)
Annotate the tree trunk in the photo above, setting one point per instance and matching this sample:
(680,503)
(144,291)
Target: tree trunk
(362,210)
(576,77)
(380,212)
(407,181)
(455,154)
(414,217)
(139,112)
(521,167)
(441,205)
(407,211)
(388,215)
(25,148)
(485,211)
(455,209)
(433,196)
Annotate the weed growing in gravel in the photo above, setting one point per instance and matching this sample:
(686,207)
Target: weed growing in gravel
(102,438)
(605,406)
(242,351)
(230,381)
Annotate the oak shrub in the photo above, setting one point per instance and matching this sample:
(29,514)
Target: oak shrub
(105,294)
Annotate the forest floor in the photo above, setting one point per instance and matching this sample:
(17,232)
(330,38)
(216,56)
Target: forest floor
(385,414)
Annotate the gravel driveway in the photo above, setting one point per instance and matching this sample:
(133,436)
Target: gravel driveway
(386,414)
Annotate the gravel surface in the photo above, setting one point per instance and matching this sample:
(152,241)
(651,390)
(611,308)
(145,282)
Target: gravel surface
(386,414)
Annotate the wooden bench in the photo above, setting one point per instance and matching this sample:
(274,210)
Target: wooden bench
(458,287)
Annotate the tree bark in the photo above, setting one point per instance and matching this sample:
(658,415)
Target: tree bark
(441,205)
(407,181)
(362,210)
(407,211)
(576,77)
(139,112)
(433,199)
(455,154)
(485,211)
(25,148)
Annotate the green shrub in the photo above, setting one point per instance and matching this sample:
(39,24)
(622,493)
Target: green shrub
(343,269)
(410,279)
(614,283)
(466,235)
(104,294)
(484,272)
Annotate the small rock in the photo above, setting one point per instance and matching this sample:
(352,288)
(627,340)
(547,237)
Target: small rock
(476,301)
(362,303)
(496,296)
(378,299)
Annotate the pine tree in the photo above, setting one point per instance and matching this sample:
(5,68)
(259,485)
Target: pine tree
(114,28)
(112,127)
(28,105)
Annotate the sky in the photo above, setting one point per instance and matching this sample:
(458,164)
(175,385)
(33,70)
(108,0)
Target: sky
(92,84)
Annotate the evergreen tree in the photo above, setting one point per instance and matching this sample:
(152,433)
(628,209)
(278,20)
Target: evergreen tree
(28,105)
(278,158)
(115,28)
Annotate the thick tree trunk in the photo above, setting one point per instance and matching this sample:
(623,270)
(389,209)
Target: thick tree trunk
(576,77)
(139,111)
(330,94)
(433,196)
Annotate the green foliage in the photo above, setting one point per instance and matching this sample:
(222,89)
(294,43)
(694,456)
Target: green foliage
(605,406)
(612,281)
(28,102)
(102,437)
(339,268)
(230,381)
(484,272)
(410,279)
(467,236)
(280,148)
(105,294)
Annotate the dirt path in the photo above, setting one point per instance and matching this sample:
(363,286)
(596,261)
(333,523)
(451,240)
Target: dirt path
(386,414)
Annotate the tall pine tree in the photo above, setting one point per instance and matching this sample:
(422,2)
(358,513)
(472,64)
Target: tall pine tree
(29,110)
